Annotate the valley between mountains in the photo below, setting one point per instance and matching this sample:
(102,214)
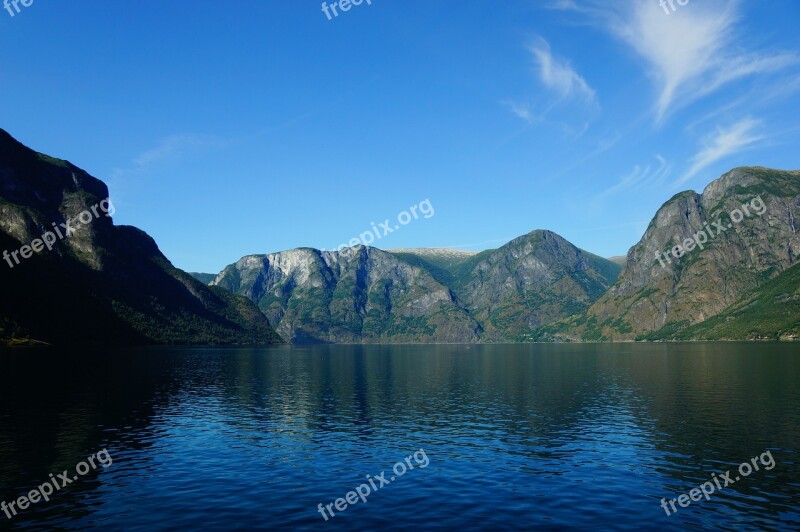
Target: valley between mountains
(111,284)
(539,287)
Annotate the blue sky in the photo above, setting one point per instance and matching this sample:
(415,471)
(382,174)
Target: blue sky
(232,128)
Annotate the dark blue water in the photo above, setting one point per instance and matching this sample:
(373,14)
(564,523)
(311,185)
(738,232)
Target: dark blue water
(515,437)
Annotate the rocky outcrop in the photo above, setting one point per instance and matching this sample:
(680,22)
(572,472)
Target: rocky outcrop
(749,218)
(358,295)
(369,295)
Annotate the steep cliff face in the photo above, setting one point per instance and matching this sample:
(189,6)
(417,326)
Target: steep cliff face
(102,284)
(369,295)
(749,218)
(363,295)
(771,312)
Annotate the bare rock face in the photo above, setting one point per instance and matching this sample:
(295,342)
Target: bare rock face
(358,295)
(412,295)
(736,235)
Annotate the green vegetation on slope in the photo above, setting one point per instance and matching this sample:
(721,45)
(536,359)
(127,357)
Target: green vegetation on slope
(204,278)
(770,312)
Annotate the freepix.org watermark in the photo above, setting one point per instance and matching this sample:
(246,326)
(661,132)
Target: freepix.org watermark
(343,5)
(48,239)
(706,489)
(363,491)
(700,238)
(424,208)
(44,491)
(671,3)
(9,4)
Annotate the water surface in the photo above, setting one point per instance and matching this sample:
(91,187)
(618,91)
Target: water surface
(517,437)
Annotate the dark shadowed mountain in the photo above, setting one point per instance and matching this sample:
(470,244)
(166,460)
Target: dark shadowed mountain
(104,284)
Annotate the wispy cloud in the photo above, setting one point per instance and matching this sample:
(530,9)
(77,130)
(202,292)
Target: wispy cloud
(168,148)
(722,143)
(562,84)
(601,146)
(689,54)
(558,75)
(640,176)
(606,144)
(522,111)
(758,97)
(174,145)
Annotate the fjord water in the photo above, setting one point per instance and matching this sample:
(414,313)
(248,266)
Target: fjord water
(518,437)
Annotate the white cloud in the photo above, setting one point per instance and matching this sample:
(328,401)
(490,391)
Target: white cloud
(520,110)
(640,176)
(558,75)
(689,53)
(562,84)
(723,143)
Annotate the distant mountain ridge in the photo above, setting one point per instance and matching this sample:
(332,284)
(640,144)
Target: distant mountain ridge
(422,295)
(363,295)
(539,287)
(204,278)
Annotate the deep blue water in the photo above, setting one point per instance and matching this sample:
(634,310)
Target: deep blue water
(515,437)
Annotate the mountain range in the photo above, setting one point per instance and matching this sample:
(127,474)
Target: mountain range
(717,265)
(369,295)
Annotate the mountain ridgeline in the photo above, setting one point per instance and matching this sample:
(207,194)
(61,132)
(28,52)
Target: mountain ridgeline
(710,266)
(368,295)
(716,265)
(750,218)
